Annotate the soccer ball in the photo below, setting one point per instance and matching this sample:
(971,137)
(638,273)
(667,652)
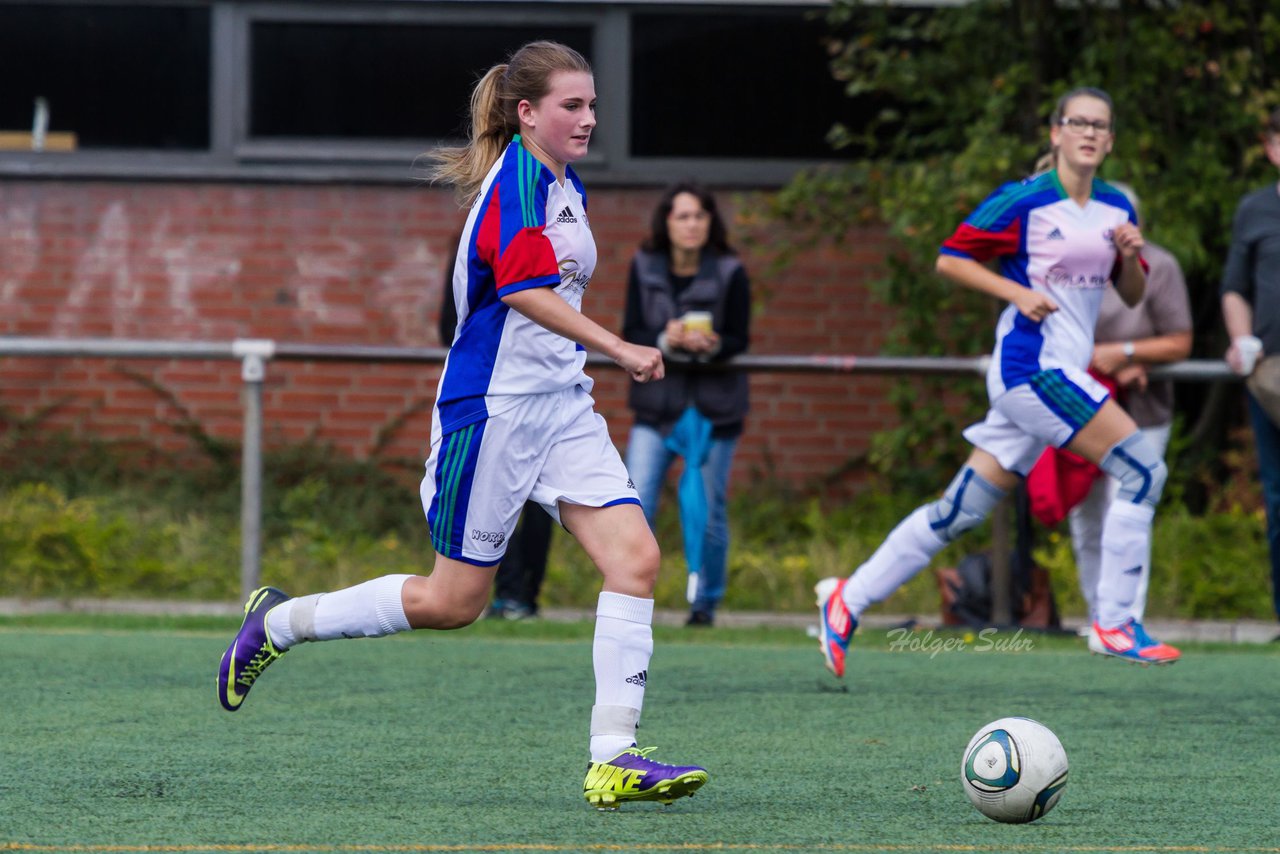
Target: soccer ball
(1014,770)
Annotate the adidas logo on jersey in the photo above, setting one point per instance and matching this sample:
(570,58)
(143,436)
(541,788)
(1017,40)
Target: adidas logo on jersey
(566,215)
(1056,234)
(638,679)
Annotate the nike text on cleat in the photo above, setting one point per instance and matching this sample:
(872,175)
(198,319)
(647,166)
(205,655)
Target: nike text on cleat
(251,650)
(632,776)
(835,624)
(1131,643)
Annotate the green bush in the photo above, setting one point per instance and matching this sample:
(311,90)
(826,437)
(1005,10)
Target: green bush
(1203,567)
(91,518)
(55,546)
(109,530)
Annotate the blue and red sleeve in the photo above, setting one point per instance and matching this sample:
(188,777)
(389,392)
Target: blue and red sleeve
(509,234)
(993,229)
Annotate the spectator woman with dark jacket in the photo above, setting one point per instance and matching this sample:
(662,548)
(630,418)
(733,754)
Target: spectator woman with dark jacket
(689,296)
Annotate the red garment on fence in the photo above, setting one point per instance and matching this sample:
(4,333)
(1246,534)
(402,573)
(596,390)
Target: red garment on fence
(1060,479)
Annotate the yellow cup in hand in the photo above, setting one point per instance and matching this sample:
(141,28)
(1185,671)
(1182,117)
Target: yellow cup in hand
(697,321)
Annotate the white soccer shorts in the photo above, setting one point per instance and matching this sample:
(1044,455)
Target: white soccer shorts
(546,448)
(1049,409)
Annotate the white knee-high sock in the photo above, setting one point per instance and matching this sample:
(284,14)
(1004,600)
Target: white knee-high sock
(907,550)
(368,610)
(1087,519)
(621,651)
(1126,547)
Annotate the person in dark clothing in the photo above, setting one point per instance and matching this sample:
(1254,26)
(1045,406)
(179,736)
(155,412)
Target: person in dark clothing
(689,296)
(1251,312)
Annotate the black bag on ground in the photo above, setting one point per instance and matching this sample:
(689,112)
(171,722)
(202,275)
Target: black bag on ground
(966,588)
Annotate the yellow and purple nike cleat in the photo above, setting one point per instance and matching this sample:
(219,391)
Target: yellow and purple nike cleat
(631,776)
(251,651)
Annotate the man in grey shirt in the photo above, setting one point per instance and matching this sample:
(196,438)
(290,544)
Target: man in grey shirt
(1251,308)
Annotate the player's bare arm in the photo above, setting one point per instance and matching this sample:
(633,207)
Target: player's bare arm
(1132,282)
(1031,303)
(545,308)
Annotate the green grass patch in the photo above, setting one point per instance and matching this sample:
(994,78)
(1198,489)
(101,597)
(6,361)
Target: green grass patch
(475,740)
(104,521)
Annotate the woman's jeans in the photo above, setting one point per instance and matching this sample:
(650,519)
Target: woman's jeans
(648,460)
(1267,440)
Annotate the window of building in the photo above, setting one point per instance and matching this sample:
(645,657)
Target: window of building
(369,81)
(752,84)
(117,77)
(357,89)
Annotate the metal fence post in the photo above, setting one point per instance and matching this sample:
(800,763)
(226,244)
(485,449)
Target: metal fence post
(253,355)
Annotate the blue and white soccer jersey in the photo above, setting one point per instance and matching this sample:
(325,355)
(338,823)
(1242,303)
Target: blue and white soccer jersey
(525,230)
(513,418)
(1038,382)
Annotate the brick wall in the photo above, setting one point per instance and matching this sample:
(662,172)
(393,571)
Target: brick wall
(365,265)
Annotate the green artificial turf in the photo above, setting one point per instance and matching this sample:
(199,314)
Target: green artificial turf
(112,740)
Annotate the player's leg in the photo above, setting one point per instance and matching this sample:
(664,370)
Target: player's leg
(972,494)
(1112,441)
(451,597)
(472,502)
(1086,540)
(584,483)
(970,497)
(1158,436)
(619,542)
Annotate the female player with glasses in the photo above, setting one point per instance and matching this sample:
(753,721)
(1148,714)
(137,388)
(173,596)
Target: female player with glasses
(514,421)
(1060,238)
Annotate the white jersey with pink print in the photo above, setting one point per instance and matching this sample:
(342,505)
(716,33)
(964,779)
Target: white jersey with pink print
(1046,241)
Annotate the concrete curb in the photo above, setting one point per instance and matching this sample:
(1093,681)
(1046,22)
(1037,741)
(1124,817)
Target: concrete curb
(1218,631)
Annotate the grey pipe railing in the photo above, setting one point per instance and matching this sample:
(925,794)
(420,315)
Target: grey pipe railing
(254,353)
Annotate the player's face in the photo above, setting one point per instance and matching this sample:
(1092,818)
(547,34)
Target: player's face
(560,123)
(688,224)
(1081,141)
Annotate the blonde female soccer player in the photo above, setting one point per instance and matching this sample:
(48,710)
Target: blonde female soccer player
(1061,238)
(514,420)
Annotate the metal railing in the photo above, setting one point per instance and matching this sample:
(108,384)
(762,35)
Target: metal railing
(254,354)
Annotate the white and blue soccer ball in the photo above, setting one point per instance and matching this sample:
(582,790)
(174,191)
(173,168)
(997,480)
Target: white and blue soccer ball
(1014,770)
